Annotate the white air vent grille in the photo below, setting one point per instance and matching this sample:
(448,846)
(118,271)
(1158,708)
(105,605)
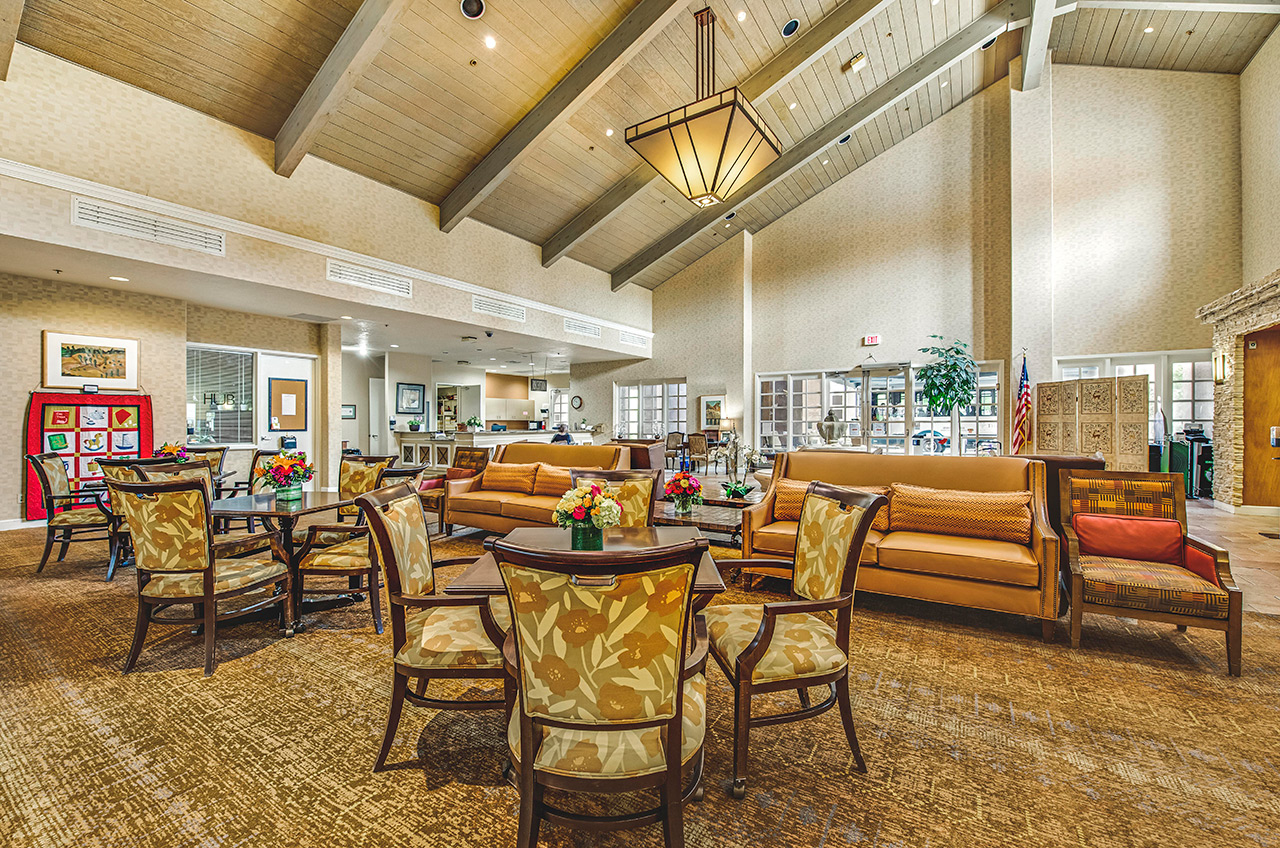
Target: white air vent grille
(368,278)
(497,308)
(581,328)
(133,223)
(633,339)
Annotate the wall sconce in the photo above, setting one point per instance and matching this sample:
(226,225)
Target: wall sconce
(1219,367)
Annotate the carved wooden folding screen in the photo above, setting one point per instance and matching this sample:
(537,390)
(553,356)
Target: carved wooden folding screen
(1107,415)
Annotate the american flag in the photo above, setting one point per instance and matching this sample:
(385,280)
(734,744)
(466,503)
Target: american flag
(1023,412)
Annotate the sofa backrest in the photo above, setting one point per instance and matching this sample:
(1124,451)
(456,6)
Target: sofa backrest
(566,456)
(972,473)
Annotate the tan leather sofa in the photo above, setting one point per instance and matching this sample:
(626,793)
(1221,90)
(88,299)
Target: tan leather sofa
(468,503)
(973,572)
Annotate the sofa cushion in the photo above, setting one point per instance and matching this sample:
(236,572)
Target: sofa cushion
(789,499)
(959,556)
(509,477)
(1156,586)
(1003,516)
(776,538)
(1129,537)
(881,522)
(555,480)
(871,547)
(489,503)
(531,508)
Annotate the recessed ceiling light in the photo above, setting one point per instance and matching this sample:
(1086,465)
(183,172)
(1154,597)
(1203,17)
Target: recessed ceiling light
(490,42)
(742,16)
(502,366)
(825,161)
(858,62)
(945,83)
(345,317)
(119,279)
(1149,29)
(727,226)
(792,106)
(395,345)
(493,359)
(790,27)
(608,132)
(935,2)
(472,9)
(844,139)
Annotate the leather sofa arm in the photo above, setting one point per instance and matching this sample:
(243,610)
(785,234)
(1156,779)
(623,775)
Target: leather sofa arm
(1044,542)
(453,488)
(755,517)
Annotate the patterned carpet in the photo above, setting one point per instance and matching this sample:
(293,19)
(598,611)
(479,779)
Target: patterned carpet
(975,734)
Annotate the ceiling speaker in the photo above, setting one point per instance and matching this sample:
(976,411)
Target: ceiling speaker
(472,9)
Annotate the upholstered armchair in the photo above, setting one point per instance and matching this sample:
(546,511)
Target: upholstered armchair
(675,446)
(236,543)
(467,462)
(432,636)
(792,645)
(357,475)
(637,491)
(121,544)
(65,523)
(698,450)
(176,563)
(1129,555)
(251,486)
(604,694)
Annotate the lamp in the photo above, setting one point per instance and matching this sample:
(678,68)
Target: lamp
(709,148)
(1219,367)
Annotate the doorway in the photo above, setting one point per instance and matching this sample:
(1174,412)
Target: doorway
(271,365)
(379,437)
(1261,413)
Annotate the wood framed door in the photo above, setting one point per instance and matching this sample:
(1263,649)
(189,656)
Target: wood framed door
(1261,413)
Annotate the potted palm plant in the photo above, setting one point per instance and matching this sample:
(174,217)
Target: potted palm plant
(950,380)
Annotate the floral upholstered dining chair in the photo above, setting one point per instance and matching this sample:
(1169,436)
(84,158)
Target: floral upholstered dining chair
(234,543)
(177,564)
(357,475)
(637,491)
(604,694)
(792,645)
(432,636)
(64,522)
(123,468)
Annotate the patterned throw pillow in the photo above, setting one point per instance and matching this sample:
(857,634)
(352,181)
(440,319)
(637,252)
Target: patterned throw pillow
(789,499)
(1005,516)
(881,522)
(555,480)
(509,477)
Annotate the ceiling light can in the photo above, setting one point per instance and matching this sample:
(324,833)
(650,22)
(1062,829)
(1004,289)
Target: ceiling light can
(472,9)
(790,27)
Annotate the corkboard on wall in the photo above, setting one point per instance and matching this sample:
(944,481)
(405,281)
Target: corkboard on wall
(288,404)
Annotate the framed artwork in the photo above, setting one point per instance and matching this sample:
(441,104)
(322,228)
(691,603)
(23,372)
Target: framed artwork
(348,411)
(72,361)
(288,398)
(411,398)
(711,407)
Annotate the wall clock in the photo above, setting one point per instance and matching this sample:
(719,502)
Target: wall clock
(576,402)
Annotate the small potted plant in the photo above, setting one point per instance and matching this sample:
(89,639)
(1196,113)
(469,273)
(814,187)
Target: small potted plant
(684,490)
(474,424)
(587,511)
(415,424)
(175,451)
(286,472)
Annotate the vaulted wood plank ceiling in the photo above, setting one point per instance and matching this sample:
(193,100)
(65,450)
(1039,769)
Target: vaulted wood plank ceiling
(435,99)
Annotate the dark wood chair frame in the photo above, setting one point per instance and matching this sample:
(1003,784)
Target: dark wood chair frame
(600,568)
(204,610)
(71,533)
(841,607)
(622,476)
(674,447)
(120,542)
(372,506)
(1232,625)
(231,489)
(696,453)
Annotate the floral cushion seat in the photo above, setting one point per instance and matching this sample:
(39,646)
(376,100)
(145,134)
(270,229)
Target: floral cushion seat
(803,645)
(453,637)
(585,751)
(228,575)
(353,553)
(78,518)
(1157,586)
(324,538)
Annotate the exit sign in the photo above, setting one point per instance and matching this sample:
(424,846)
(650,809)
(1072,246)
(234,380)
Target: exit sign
(868,341)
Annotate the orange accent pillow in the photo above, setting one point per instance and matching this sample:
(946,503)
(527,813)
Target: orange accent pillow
(881,521)
(555,480)
(509,477)
(1129,537)
(1005,516)
(788,499)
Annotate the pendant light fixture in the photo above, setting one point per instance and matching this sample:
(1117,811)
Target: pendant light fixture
(710,148)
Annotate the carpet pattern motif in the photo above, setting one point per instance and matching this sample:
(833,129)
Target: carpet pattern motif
(975,734)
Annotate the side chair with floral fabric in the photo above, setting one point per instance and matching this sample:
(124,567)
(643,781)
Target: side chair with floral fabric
(252,486)
(234,543)
(357,475)
(123,469)
(1129,555)
(176,564)
(64,523)
(637,491)
(792,645)
(603,692)
(432,636)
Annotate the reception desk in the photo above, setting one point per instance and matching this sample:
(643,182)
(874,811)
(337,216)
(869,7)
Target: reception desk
(437,451)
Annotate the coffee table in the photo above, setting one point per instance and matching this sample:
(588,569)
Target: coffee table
(713,519)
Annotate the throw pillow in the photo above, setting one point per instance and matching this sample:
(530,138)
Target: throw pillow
(1129,537)
(1005,516)
(554,480)
(509,477)
(881,521)
(788,499)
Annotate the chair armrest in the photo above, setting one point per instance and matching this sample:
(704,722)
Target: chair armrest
(1221,559)
(753,518)
(80,495)
(769,562)
(271,537)
(1072,541)
(443,563)
(696,662)
(754,652)
(314,531)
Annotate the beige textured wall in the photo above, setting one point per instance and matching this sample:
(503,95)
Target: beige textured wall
(59,116)
(207,325)
(1260,162)
(1146,206)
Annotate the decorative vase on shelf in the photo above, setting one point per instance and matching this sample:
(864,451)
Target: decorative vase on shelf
(587,537)
(289,493)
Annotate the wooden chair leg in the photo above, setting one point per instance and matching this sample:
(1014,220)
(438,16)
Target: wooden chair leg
(375,599)
(1182,628)
(530,808)
(48,548)
(1077,615)
(421,691)
(114,544)
(673,809)
(1233,646)
(139,635)
(66,543)
(804,697)
(741,735)
(1048,627)
(393,719)
(210,630)
(846,717)
(197,611)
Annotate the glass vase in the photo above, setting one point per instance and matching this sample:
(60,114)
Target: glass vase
(587,537)
(683,506)
(289,493)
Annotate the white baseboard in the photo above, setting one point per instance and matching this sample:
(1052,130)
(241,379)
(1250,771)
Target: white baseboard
(1224,506)
(1247,510)
(18,524)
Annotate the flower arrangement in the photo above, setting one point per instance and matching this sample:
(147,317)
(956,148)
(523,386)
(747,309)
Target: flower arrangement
(736,454)
(286,472)
(415,424)
(175,451)
(587,511)
(473,423)
(685,490)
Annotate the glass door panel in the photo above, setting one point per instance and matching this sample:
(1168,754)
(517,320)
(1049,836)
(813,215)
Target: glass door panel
(885,412)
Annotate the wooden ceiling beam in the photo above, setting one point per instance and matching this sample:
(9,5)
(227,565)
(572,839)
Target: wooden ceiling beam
(966,41)
(599,66)
(10,17)
(777,72)
(360,43)
(1035,42)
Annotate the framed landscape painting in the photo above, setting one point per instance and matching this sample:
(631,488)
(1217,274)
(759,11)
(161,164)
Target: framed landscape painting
(712,408)
(72,361)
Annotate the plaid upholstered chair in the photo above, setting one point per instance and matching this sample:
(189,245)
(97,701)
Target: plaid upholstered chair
(64,523)
(606,695)
(467,462)
(1129,555)
(787,645)
(637,491)
(234,543)
(432,636)
(177,565)
(123,469)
